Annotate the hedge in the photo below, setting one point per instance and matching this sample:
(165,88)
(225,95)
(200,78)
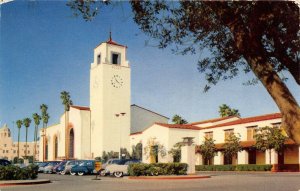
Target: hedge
(141,169)
(12,172)
(240,167)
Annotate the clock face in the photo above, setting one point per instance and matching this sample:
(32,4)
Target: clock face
(116,81)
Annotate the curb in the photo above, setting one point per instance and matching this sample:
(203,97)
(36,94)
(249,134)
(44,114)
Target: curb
(23,182)
(167,177)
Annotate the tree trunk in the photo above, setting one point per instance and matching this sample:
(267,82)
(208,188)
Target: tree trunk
(270,160)
(249,45)
(26,143)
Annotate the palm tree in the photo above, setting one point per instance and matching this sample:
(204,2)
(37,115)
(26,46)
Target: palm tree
(26,123)
(36,117)
(45,118)
(178,120)
(67,102)
(19,125)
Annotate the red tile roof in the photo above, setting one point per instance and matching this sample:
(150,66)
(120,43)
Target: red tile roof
(81,107)
(136,133)
(212,120)
(179,126)
(248,120)
(110,41)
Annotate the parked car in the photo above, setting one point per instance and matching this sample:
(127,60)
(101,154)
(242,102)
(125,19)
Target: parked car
(85,167)
(69,165)
(104,165)
(120,168)
(59,167)
(42,166)
(4,162)
(50,166)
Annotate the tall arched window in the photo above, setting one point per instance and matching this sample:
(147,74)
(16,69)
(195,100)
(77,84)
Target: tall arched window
(71,145)
(46,149)
(55,147)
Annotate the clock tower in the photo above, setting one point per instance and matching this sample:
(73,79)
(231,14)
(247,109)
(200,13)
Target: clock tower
(109,98)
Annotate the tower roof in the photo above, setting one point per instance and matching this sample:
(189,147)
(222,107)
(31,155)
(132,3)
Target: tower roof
(112,42)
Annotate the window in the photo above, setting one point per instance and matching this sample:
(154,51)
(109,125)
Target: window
(28,152)
(99,59)
(3,151)
(14,151)
(209,135)
(6,151)
(250,133)
(276,125)
(228,132)
(115,58)
(5,145)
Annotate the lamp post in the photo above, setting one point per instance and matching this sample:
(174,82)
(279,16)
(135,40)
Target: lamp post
(120,115)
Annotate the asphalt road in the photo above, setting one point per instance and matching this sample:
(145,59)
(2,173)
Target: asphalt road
(220,181)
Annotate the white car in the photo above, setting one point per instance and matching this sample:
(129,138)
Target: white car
(120,168)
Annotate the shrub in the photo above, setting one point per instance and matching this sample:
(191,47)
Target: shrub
(141,169)
(240,167)
(12,172)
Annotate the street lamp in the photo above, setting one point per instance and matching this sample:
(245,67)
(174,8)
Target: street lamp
(120,115)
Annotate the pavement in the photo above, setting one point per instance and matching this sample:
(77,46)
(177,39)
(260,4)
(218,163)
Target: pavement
(219,181)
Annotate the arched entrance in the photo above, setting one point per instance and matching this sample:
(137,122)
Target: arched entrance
(71,144)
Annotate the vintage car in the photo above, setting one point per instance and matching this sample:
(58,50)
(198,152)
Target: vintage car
(120,167)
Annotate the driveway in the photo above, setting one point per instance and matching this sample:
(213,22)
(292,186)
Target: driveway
(220,181)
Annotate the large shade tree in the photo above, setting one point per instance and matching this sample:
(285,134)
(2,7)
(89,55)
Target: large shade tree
(262,37)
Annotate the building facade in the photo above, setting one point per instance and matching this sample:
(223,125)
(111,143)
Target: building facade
(86,132)
(9,148)
(167,135)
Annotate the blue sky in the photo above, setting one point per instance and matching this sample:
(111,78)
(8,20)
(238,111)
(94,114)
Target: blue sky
(45,50)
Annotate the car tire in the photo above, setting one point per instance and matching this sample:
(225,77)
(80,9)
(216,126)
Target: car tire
(63,172)
(80,173)
(118,174)
(73,173)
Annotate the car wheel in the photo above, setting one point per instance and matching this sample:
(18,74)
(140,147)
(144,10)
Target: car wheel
(118,174)
(80,173)
(63,172)
(102,173)
(73,173)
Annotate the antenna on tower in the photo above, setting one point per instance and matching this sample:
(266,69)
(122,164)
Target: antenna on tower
(110,39)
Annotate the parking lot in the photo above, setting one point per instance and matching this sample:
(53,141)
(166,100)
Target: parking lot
(220,181)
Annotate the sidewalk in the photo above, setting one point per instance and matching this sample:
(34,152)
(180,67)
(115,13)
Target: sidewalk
(23,182)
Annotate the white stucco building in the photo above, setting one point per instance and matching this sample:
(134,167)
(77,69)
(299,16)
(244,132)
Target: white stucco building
(85,132)
(167,135)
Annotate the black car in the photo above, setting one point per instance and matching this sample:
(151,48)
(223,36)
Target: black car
(4,162)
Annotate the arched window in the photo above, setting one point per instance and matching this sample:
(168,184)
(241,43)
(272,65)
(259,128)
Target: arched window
(55,140)
(46,149)
(71,144)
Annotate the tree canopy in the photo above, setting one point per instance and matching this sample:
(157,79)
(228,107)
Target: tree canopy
(226,111)
(177,119)
(243,36)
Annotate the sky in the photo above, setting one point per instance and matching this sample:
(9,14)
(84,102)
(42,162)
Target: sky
(44,50)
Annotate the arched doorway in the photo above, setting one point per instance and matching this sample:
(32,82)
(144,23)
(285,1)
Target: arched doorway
(71,144)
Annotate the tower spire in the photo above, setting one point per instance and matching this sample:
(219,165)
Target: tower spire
(110,39)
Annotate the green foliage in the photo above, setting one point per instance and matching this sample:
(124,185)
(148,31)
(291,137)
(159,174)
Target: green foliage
(208,149)
(226,111)
(232,146)
(142,169)
(137,151)
(109,155)
(19,123)
(269,138)
(176,152)
(12,172)
(17,160)
(45,115)
(125,154)
(66,100)
(178,120)
(154,148)
(246,167)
